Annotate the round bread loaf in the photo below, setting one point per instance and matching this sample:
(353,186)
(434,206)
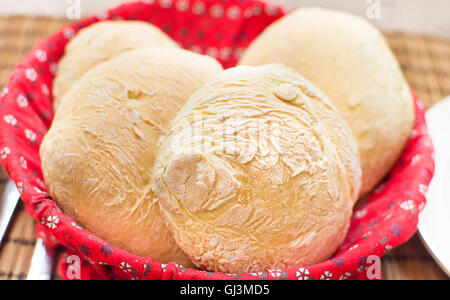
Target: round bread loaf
(349,60)
(258,171)
(98,156)
(101,42)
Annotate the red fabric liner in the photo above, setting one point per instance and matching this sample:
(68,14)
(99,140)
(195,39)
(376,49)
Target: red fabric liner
(223,29)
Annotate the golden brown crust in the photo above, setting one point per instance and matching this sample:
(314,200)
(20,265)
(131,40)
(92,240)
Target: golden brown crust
(101,42)
(349,60)
(251,177)
(98,155)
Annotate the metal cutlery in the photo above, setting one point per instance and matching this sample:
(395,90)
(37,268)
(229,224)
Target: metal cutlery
(43,257)
(8,204)
(42,262)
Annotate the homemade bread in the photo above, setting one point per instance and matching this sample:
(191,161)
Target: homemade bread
(349,60)
(101,42)
(98,156)
(258,171)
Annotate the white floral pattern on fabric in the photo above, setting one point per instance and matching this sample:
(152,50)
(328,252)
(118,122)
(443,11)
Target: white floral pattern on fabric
(427,143)
(353,247)
(76,225)
(423,189)
(198,8)
(41,55)
(20,187)
(182,5)
(362,268)
(9,119)
(40,182)
(253,11)
(38,190)
(126,267)
(415,160)
(327,275)
(165,3)
(345,276)
(45,90)
(69,33)
(421,206)
(212,51)
(408,205)
(225,53)
(360,213)
(276,273)
(51,222)
(234,12)
(163,267)
(89,260)
(30,135)
(22,101)
(102,16)
(31,74)
(302,274)
(238,53)
(271,10)
(217,11)
(196,49)
(53,68)
(23,162)
(5,152)
(178,266)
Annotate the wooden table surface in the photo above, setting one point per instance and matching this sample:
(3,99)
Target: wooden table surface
(425,61)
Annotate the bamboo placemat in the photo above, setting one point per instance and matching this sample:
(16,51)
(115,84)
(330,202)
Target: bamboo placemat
(425,61)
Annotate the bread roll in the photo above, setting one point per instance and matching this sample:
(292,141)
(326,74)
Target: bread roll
(98,156)
(349,60)
(252,173)
(101,42)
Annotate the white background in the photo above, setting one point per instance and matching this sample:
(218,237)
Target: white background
(423,16)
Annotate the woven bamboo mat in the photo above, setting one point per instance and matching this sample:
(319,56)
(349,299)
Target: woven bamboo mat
(425,61)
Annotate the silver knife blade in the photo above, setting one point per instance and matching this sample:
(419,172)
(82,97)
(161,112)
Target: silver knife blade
(8,204)
(42,262)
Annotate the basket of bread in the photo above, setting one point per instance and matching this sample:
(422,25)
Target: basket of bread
(217,140)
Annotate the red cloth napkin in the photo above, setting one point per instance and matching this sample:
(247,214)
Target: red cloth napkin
(222,29)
